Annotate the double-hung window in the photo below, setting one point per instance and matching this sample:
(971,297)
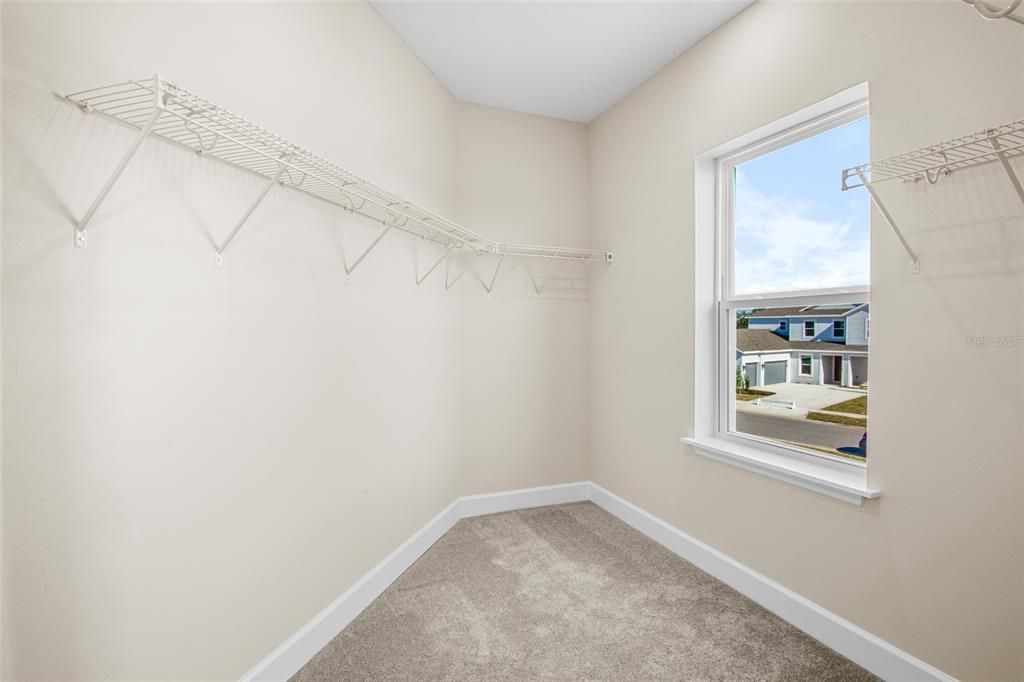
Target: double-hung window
(787,243)
(807,365)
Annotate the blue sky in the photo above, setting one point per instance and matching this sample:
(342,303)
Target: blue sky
(795,228)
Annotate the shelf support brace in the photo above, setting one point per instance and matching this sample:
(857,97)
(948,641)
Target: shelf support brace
(420,280)
(536,287)
(81,237)
(449,283)
(252,208)
(387,228)
(1007,167)
(494,277)
(915,267)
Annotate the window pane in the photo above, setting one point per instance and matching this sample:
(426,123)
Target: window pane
(794,229)
(811,394)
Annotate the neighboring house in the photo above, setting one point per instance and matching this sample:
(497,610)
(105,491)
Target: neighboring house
(807,345)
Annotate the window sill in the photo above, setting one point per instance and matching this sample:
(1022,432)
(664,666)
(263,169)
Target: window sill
(835,479)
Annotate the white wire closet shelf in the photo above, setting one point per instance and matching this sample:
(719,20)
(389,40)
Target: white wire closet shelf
(993,12)
(1001,144)
(160,108)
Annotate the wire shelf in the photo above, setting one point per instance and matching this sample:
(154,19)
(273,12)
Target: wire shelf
(161,108)
(994,12)
(1001,144)
(932,163)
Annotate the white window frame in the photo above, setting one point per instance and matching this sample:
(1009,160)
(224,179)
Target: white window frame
(814,328)
(810,357)
(835,330)
(716,305)
(784,326)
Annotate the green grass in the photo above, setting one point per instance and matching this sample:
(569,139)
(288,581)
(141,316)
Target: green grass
(837,419)
(752,394)
(855,406)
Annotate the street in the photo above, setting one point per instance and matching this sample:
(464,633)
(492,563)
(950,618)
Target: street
(820,434)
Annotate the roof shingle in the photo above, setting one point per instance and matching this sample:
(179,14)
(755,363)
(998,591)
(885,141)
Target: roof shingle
(765,340)
(800,311)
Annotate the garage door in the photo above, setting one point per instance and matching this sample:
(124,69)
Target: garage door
(775,372)
(750,369)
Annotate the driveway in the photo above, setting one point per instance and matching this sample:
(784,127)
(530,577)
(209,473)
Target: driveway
(806,396)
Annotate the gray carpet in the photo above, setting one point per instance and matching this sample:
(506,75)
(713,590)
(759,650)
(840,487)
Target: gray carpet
(566,593)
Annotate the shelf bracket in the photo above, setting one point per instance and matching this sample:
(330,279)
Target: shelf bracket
(81,236)
(494,277)
(1014,179)
(252,208)
(449,283)
(420,280)
(915,266)
(349,269)
(536,287)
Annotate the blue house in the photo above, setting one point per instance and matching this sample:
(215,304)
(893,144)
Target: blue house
(807,345)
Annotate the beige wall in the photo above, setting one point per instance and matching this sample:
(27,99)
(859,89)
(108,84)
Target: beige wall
(524,356)
(197,460)
(935,566)
(200,459)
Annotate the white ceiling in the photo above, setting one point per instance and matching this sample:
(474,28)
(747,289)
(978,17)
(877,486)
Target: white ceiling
(570,60)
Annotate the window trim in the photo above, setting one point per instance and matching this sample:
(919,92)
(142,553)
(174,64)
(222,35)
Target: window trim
(814,328)
(840,478)
(835,330)
(784,325)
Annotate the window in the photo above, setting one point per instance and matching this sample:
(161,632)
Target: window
(775,238)
(806,365)
(793,244)
(783,326)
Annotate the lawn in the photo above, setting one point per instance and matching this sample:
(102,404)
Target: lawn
(855,406)
(751,394)
(837,418)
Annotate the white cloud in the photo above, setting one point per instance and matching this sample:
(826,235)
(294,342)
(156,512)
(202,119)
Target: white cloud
(780,247)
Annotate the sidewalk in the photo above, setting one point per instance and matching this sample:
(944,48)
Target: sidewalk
(807,398)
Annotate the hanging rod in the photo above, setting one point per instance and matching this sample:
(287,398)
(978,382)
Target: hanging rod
(159,108)
(1002,143)
(992,12)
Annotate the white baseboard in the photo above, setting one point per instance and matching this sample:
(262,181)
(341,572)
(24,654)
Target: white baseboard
(860,646)
(856,644)
(287,659)
(297,650)
(493,503)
